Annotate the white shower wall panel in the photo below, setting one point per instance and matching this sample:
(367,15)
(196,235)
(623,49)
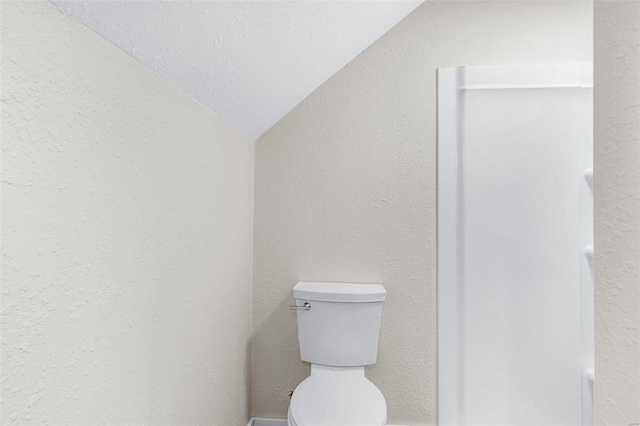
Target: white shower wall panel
(510,281)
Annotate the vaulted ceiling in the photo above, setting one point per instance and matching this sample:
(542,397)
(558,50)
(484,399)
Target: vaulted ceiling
(250,62)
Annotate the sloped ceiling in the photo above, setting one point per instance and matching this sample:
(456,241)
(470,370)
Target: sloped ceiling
(250,62)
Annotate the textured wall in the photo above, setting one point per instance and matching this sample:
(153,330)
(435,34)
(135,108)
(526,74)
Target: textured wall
(617,211)
(346,189)
(126,239)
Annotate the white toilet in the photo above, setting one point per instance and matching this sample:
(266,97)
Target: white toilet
(338,330)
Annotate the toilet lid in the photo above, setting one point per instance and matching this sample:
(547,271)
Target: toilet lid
(338,399)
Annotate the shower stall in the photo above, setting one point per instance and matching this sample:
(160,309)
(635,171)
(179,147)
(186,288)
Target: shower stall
(515,245)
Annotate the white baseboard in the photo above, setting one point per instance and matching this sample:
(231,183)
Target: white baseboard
(260,421)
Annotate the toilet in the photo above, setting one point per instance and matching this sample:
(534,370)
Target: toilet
(338,330)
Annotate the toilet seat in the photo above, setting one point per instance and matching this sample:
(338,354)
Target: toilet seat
(337,399)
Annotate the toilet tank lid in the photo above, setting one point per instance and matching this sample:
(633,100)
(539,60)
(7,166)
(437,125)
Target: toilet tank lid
(339,292)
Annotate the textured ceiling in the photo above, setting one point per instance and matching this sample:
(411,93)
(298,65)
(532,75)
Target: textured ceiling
(250,62)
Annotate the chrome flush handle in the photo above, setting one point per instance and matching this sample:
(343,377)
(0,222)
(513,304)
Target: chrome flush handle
(306,306)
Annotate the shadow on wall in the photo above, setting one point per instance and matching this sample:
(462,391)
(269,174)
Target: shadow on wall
(281,322)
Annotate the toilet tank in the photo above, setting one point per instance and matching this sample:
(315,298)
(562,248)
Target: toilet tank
(341,325)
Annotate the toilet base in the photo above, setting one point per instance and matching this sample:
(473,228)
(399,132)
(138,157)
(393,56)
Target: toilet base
(337,396)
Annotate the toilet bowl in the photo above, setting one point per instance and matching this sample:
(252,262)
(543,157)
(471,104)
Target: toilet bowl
(338,331)
(337,397)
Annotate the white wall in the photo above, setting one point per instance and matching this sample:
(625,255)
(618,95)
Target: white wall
(126,239)
(617,211)
(346,188)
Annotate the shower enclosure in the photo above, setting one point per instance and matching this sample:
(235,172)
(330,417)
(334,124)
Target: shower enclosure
(515,245)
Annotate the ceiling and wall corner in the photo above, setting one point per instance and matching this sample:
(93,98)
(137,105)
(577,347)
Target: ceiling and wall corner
(249,62)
